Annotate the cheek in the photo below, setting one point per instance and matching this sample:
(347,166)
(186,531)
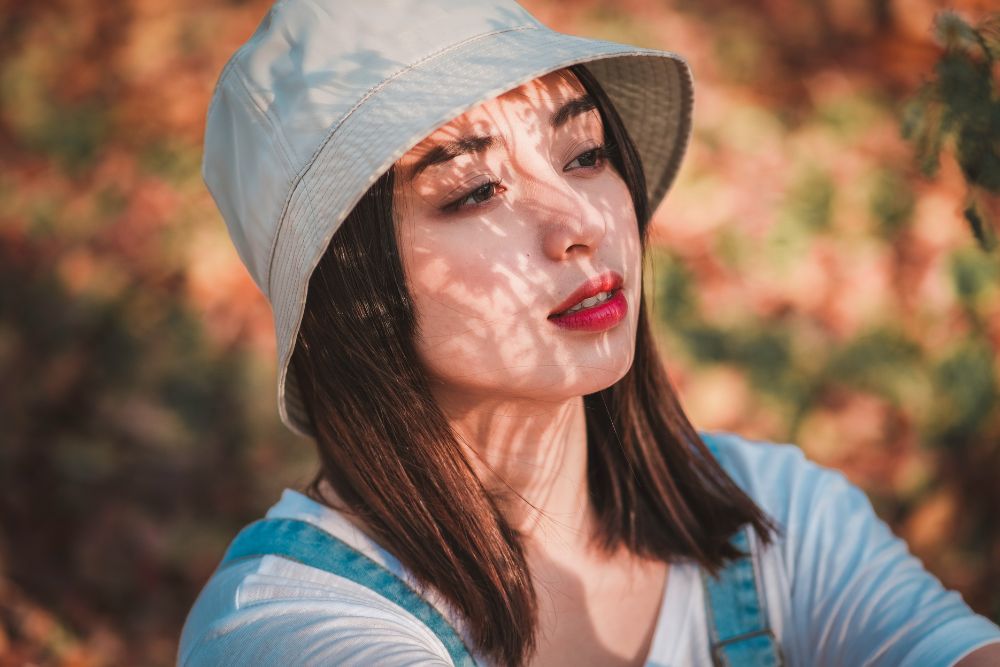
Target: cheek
(622,241)
(462,276)
(471,295)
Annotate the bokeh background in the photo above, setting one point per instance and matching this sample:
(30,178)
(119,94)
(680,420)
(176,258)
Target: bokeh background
(815,280)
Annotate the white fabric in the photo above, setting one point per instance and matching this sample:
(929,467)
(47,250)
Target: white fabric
(840,589)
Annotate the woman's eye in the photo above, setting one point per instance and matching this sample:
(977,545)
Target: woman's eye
(480,195)
(588,159)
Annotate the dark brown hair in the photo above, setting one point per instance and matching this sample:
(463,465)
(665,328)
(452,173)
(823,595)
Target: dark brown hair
(387,449)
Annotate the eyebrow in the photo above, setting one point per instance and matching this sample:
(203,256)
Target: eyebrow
(571,109)
(450,150)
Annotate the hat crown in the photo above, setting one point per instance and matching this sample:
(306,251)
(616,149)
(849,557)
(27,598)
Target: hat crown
(305,68)
(311,61)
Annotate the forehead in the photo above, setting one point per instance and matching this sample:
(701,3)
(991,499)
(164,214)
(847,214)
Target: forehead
(530,101)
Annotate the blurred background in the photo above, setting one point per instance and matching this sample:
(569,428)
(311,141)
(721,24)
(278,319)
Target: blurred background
(822,274)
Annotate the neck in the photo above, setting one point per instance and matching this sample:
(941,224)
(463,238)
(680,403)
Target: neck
(532,456)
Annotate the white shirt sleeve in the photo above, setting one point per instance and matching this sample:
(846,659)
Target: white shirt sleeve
(293,634)
(857,595)
(274,620)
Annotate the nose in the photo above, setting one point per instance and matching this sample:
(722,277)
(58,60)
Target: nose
(570,225)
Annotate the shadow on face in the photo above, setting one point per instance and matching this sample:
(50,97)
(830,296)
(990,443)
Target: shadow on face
(502,215)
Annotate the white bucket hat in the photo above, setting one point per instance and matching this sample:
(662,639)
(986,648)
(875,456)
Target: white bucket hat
(327,94)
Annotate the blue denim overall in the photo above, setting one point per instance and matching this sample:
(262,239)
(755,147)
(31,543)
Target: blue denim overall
(737,623)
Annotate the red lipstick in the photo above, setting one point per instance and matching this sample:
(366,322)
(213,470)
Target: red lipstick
(601,315)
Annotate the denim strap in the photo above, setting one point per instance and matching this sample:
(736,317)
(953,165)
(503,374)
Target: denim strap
(737,622)
(305,543)
(738,627)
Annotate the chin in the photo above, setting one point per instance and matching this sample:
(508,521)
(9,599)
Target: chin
(599,374)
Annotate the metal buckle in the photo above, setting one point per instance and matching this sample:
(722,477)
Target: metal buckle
(719,659)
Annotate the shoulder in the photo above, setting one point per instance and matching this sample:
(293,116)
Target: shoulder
(777,476)
(855,593)
(809,503)
(270,610)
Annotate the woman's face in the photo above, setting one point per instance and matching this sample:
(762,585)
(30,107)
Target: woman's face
(507,217)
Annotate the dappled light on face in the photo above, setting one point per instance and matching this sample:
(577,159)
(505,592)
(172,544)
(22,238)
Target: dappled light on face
(502,215)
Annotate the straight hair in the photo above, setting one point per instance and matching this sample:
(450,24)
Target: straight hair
(386,447)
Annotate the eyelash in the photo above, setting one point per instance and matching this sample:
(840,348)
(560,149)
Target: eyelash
(600,154)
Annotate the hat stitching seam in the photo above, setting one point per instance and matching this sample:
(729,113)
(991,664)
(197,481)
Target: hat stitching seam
(278,141)
(233,70)
(271,120)
(216,96)
(278,138)
(298,179)
(226,71)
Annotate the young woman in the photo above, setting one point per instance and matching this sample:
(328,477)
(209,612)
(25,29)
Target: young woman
(506,476)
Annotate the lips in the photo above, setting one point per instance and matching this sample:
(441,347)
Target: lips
(606,282)
(596,306)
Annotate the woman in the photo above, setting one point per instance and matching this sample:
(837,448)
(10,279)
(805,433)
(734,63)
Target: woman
(506,477)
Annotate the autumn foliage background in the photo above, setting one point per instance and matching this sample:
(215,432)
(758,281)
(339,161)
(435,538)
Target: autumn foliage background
(811,285)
